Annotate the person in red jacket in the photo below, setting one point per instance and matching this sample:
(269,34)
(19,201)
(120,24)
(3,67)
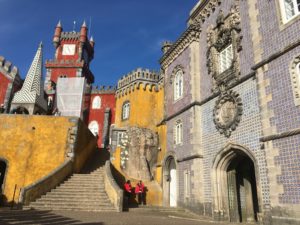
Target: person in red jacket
(128,188)
(140,192)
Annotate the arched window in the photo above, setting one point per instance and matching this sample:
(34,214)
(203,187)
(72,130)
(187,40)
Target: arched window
(125,110)
(178,85)
(178,133)
(96,103)
(94,127)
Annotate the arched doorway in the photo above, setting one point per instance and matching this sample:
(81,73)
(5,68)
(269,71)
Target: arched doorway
(3,168)
(235,187)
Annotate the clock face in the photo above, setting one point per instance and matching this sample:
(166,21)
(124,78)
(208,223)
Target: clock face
(68,49)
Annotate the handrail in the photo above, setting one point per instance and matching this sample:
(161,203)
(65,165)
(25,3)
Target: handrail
(114,192)
(32,192)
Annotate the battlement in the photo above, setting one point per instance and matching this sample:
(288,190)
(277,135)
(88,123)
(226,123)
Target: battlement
(70,35)
(139,74)
(139,79)
(7,68)
(55,62)
(104,89)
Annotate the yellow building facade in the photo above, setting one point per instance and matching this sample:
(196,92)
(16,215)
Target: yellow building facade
(137,134)
(32,147)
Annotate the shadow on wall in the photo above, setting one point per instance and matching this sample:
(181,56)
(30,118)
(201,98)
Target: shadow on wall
(96,160)
(37,217)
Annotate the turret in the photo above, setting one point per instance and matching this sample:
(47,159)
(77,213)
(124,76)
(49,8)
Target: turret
(57,33)
(166,45)
(83,33)
(92,42)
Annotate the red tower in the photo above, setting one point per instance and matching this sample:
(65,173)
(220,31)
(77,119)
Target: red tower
(73,54)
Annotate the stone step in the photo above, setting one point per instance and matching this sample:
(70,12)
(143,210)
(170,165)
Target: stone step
(88,209)
(75,195)
(72,198)
(79,189)
(81,192)
(74,203)
(82,184)
(157,209)
(95,175)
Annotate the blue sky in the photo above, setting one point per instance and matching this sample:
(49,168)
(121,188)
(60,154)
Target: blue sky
(128,34)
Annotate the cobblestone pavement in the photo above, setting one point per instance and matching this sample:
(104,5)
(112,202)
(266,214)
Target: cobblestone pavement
(110,218)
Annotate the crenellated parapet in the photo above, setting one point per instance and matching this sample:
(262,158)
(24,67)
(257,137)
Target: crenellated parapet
(70,36)
(8,70)
(64,63)
(103,89)
(139,79)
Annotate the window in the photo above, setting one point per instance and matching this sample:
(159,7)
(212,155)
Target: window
(96,103)
(120,136)
(178,132)
(187,182)
(225,59)
(94,127)
(125,110)
(178,85)
(289,9)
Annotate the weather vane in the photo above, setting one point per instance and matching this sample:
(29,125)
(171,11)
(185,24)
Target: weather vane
(74,25)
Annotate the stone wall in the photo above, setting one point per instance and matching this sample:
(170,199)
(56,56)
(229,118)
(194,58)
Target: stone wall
(34,146)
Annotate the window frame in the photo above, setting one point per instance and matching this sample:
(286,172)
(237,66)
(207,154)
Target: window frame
(228,62)
(99,102)
(296,10)
(125,110)
(178,85)
(90,127)
(187,183)
(178,132)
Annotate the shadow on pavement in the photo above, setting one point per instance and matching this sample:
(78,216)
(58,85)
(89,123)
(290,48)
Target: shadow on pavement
(8,217)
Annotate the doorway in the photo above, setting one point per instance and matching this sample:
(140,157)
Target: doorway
(242,191)
(234,185)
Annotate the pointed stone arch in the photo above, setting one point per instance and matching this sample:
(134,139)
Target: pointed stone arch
(235,185)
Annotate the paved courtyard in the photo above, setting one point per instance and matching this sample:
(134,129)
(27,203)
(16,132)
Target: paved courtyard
(110,218)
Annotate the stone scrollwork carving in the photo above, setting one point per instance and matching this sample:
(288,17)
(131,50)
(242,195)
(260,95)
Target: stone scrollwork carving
(225,33)
(227,112)
(139,150)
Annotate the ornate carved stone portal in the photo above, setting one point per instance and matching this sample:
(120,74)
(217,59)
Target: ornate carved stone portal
(227,112)
(226,33)
(139,151)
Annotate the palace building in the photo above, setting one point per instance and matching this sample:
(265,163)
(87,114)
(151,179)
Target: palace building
(216,131)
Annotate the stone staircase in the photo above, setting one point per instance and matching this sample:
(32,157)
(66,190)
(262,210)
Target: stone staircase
(81,192)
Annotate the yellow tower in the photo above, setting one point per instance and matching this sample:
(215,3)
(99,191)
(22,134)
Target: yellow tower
(137,137)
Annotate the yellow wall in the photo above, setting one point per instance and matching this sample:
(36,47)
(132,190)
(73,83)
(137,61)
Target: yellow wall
(146,111)
(146,108)
(34,146)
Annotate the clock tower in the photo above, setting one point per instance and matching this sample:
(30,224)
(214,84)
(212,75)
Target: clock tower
(73,53)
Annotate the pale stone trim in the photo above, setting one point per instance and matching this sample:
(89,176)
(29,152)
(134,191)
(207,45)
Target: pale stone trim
(195,74)
(255,26)
(295,79)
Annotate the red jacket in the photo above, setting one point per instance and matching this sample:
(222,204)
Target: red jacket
(139,188)
(127,187)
